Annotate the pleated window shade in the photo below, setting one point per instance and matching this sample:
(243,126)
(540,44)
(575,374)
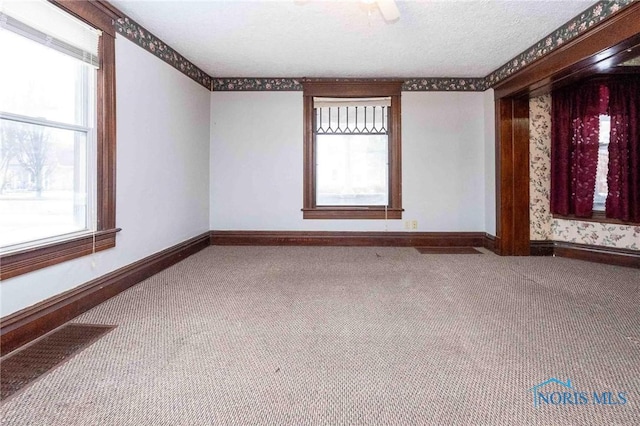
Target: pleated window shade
(47,24)
(350,102)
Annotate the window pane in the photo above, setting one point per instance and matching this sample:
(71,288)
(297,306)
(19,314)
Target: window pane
(58,91)
(600,195)
(362,119)
(352,170)
(43,182)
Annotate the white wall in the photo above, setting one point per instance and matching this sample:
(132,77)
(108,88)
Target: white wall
(162,175)
(489,162)
(256,163)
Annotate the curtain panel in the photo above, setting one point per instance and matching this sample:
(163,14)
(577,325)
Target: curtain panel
(575,130)
(623,179)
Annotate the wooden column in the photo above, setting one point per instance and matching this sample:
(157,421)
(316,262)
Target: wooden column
(512,176)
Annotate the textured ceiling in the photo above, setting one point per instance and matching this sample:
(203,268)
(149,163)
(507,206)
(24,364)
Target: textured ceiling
(316,38)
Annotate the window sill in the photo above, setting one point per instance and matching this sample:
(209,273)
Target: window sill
(34,258)
(351,213)
(598,217)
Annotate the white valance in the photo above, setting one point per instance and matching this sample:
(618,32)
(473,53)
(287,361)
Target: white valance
(350,102)
(47,24)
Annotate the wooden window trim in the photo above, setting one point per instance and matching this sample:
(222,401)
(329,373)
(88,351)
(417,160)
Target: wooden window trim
(340,212)
(33,258)
(355,89)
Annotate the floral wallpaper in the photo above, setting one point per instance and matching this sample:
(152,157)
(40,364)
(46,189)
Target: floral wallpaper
(578,25)
(594,233)
(143,38)
(540,162)
(543,225)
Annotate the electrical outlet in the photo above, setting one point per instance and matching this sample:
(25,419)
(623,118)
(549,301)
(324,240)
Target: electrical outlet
(414,224)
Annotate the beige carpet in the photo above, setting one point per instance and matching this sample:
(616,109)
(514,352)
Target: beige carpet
(369,336)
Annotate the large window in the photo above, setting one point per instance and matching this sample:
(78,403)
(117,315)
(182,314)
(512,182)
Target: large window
(48,139)
(57,139)
(352,150)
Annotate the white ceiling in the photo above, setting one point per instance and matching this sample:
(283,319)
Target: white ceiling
(315,38)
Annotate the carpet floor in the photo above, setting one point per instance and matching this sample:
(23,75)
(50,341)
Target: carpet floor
(355,336)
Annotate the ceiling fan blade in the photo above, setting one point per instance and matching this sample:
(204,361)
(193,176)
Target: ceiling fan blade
(389,10)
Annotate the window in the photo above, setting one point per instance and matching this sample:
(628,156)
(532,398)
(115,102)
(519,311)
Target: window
(600,195)
(57,138)
(352,150)
(47,131)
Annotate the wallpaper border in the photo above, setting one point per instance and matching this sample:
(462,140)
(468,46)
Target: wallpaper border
(578,25)
(445,84)
(294,84)
(256,84)
(152,44)
(570,30)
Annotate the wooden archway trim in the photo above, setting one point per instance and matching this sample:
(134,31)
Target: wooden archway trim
(580,56)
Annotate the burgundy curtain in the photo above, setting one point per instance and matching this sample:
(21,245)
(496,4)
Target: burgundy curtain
(561,135)
(623,180)
(575,128)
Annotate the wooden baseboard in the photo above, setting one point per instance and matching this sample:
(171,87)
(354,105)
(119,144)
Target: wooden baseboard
(541,248)
(308,238)
(599,254)
(490,242)
(30,323)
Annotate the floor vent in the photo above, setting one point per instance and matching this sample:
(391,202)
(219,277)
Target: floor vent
(21,368)
(448,250)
